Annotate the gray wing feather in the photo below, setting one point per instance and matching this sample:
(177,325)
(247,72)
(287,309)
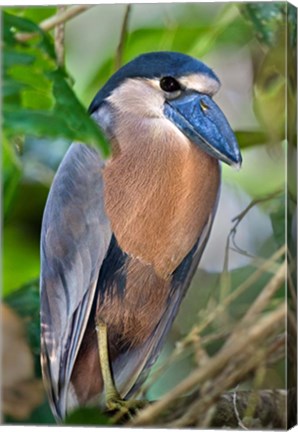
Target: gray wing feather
(74,240)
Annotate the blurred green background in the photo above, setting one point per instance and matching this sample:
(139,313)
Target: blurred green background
(244,44)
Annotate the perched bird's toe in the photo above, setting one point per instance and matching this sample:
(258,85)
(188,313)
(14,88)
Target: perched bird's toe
(124,409)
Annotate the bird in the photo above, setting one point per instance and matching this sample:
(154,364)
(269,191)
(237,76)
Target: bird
(121,238)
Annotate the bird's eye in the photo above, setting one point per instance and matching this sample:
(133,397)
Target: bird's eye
(169,84)
(204,106)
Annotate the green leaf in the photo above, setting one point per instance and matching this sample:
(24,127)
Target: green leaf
(37,98)
(222,26)
(269,98)
(13,57)
(35,14)
(11,174)
(87,416)
(266,19)
(13,24)
(20,257)
(250,138)
(41,415)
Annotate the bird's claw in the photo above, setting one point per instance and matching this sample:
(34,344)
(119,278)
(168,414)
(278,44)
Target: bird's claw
(123,409)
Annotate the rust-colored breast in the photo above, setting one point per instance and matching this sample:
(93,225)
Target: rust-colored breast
(158,199)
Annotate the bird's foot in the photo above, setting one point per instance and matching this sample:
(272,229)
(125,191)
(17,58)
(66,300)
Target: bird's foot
(124,409)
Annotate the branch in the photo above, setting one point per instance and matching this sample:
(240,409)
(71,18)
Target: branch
(269,410)
(248,341)
(231,410)
(53,21)
(186,345)
(119,52)
(59,38)
(250,281)
(266,294)
(237,219)
(261,301)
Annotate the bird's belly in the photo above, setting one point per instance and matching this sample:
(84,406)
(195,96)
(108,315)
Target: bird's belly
(133,311)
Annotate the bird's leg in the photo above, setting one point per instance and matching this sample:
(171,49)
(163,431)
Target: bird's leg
(111,393)
(113,401)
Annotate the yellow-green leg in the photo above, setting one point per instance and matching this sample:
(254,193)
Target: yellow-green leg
(113,400)
(111,392)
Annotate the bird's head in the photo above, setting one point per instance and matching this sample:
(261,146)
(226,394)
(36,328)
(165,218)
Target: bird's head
(169,87)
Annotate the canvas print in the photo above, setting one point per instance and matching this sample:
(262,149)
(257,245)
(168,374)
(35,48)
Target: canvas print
(149,215)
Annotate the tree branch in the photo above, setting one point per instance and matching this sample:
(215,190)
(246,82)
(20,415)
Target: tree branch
(54,20)
(237,219)
(268,413)
(261,301)
(59,38)
(250,281)
(247,343)
(119,52)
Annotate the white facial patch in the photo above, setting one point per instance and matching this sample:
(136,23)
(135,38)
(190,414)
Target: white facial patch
(138,96)
(200,83)
(138,105)
(144,96)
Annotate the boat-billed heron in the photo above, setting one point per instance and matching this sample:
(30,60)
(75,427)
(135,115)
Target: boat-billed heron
(122,238)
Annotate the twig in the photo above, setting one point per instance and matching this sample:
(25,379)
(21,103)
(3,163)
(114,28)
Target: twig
(236,370)
(246,341)
(241,289)
(119,52)
(205,422)
(260,303)
(268,412)
(267,292)
(254,202)
(259,261)
(53,21)
(237,219)
(185,346)
(59,38)
(276,350)
(240,423)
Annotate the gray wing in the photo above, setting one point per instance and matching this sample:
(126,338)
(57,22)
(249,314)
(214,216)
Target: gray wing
(130,370)
(74,240)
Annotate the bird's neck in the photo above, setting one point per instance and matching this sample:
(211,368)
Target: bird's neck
(159,195)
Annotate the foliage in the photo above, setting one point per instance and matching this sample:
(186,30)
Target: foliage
(266,19)
(12,170)
(37,98)
(87,416)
